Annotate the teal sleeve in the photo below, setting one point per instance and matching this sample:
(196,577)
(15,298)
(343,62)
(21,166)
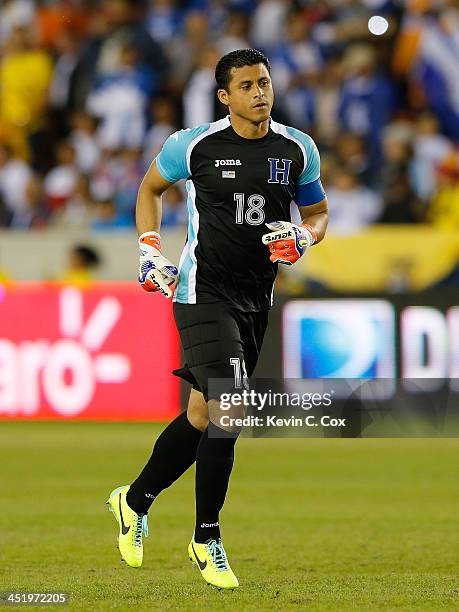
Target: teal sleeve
(173,159)
(311,171)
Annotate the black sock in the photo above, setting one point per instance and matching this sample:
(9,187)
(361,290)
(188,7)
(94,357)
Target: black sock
(214,462)
(173,453)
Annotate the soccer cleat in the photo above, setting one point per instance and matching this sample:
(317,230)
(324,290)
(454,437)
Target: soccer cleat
(132,525)
(213,563)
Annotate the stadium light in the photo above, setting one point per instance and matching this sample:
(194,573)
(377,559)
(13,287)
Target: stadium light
(378,25)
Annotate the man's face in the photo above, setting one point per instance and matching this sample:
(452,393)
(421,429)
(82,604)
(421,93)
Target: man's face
(250,93)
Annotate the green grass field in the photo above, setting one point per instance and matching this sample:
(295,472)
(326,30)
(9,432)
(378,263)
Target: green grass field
(317,524)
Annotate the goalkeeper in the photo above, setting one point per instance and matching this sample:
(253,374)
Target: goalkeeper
(242,174)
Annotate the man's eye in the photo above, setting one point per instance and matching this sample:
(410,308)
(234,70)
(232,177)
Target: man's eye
(245,86)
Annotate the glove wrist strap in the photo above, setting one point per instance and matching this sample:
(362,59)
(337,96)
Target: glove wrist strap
(311,230)
(152,239)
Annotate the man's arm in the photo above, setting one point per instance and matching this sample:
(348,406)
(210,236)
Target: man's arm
(156,273)
(287,242)
(316,216)
(148,210)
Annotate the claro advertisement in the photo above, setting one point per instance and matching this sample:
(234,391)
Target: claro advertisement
(102,353)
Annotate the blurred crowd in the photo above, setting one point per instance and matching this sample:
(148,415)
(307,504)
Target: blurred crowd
(89,91)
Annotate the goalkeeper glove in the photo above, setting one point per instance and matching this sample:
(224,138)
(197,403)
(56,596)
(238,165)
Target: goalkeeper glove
(156,273)
(288,241)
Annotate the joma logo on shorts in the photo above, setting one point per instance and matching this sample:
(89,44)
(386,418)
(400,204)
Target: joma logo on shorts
(227,162)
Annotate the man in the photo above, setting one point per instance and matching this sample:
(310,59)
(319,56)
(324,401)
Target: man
(243,172)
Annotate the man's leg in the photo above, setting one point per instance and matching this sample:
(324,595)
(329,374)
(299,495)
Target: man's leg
(173,453)
(215,455)
(213,340)
(214,463)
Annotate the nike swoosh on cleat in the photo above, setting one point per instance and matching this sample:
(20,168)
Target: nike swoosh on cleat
(202,566)
(124,529)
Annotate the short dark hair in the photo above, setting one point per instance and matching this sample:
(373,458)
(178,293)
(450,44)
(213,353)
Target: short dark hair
(238,59)
(89,257)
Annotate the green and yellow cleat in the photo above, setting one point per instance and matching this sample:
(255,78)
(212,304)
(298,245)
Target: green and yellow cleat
(132,526)
(213,564)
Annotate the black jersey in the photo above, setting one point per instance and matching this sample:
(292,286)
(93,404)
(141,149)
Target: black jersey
(235,185)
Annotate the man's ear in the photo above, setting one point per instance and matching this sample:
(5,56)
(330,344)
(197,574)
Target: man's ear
(222,95)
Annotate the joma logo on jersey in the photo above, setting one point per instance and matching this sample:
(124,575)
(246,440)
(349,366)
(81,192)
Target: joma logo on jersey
(279,170)
(227,162)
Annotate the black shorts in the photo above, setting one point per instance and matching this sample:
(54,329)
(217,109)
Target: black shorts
(213,336)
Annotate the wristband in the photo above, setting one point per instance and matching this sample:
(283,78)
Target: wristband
(311,230)
(152,239)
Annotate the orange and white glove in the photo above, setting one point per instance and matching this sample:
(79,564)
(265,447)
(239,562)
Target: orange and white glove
(287,242)
(156,273)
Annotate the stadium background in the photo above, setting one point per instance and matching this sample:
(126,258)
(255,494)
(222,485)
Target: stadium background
(88,93)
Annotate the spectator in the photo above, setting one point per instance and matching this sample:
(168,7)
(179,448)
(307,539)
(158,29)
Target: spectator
(351,20)
(130,175)
(57,18)
(163,125)
(15,176)
(174,208)
(35,214)
(199,100)
(430,149)
(327,93)
(83,262)
(118,178)
(438,67)
(351,152)
(400,202)
(444,208)
(107,218)
(353,207)
(185,50)
(296,58)
(77,211)
(5,276)
(85,143)
(127,74)
(235,33)
(25,77)
(267,22)
(15,14)
(163,20)
(61,180)
(367,98)
(61,92)
(113,29)
(295,63)
(400,275)
(120,100)
(103,182)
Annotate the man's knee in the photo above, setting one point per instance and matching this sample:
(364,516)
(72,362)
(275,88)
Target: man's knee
(197,411)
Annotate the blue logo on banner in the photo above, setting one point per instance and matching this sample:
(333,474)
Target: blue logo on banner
(339,339)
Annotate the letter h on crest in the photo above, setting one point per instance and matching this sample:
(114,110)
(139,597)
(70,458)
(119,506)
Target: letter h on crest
(277,170)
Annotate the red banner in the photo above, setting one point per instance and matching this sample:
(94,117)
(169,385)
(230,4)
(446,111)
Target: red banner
(101,353)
